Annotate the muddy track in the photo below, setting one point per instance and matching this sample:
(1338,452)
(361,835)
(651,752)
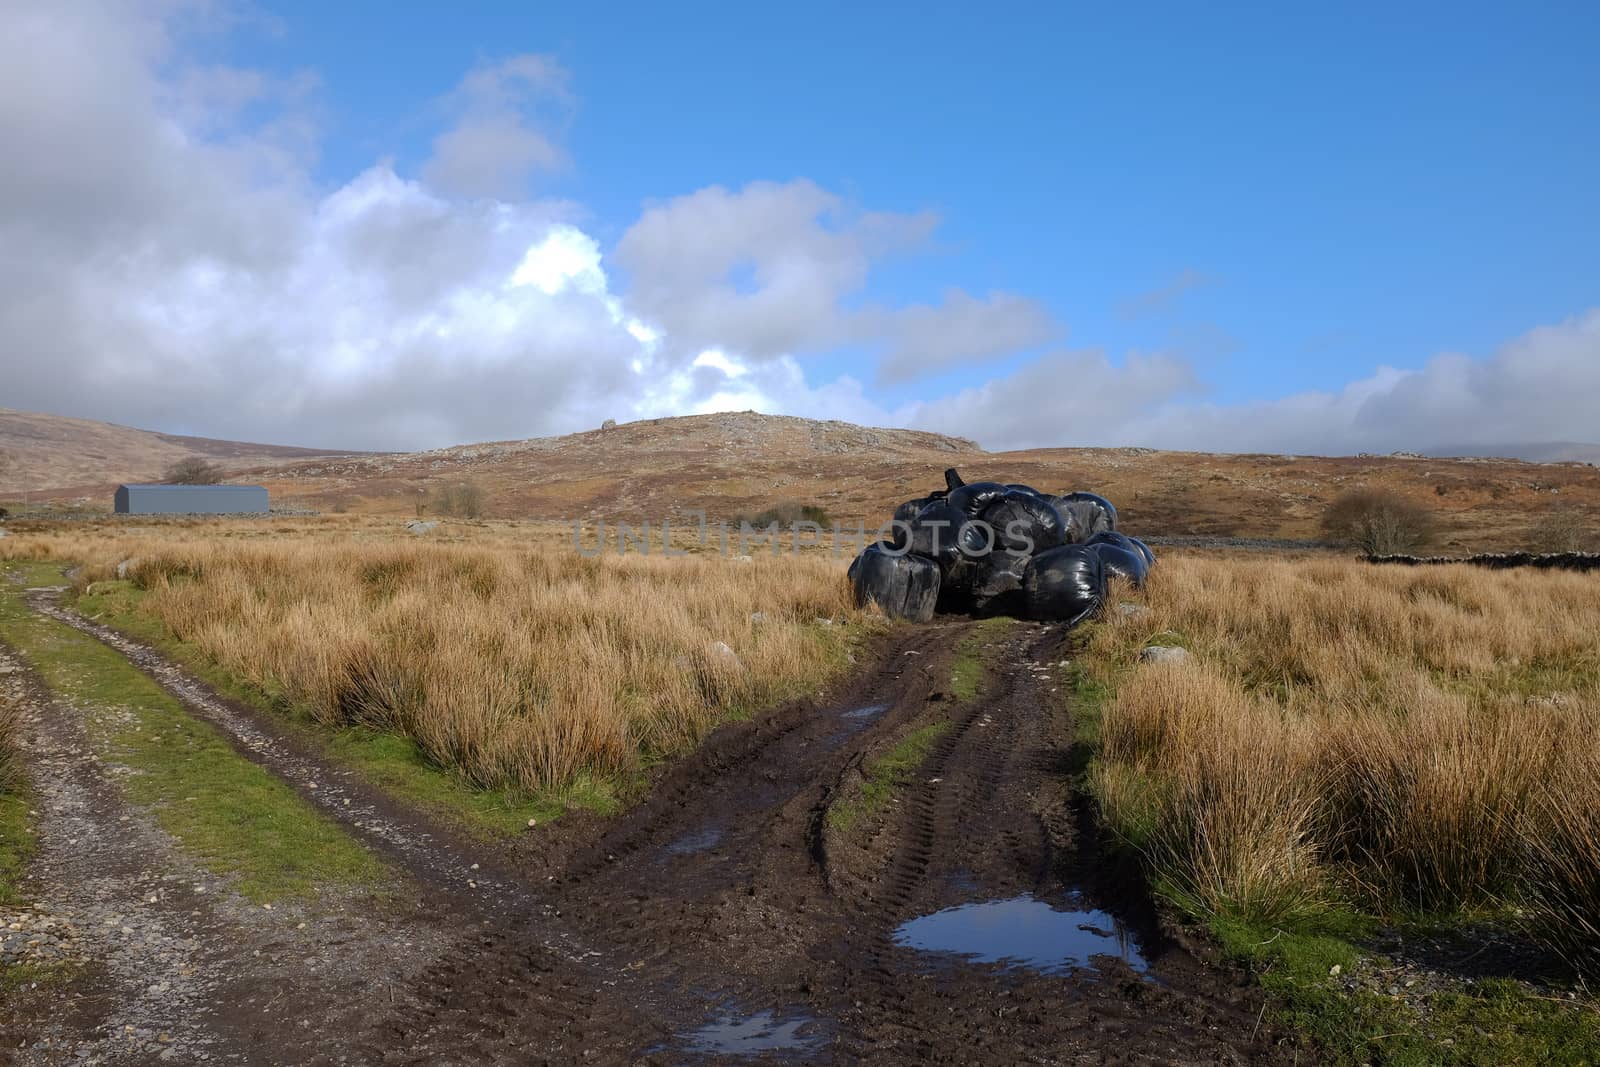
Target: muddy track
(683,893)
(722,918)
(753,933)
(990,818)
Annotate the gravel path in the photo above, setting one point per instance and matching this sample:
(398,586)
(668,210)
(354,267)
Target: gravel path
(160,961)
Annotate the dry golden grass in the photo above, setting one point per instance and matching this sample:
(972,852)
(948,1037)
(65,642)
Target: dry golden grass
(1403,737)
(500,650)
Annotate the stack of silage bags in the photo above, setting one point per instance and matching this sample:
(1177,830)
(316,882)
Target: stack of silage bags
(988,548)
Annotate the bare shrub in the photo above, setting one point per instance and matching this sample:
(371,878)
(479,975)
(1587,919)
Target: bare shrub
(1568,529)
(786,515)
(193,470)
(460,500)
(1379,522)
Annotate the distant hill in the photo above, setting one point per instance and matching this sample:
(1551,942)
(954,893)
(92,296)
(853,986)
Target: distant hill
(1551,452)
(54,452)
(742,463)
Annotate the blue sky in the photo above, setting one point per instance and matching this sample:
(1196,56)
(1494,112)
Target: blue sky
(1265,201)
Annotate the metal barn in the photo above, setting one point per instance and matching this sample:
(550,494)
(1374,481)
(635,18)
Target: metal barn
(191,500)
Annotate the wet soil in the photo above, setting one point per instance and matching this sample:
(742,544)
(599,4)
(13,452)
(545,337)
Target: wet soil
(726,919)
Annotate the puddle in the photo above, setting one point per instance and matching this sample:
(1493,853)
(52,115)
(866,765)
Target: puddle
(698,841)
(855,720)
(764,1031)
(1023,932)
(866,714)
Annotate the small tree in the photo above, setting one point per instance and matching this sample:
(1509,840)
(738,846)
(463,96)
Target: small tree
(1379,522)
(1569,529)
(463,500)
(193,470)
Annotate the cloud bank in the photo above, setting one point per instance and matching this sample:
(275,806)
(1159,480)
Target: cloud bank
(171,257)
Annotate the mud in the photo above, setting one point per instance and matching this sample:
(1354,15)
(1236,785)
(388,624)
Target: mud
(723,919)
(783,932)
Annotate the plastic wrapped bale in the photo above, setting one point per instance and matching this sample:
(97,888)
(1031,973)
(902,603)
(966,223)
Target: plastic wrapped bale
(911,508)
(997,589)
(1066,584)
(1091,514)
(855,564)
(1132,544)
(957,581)
(903,586)
(974,499)
(1026,522)
(1120,561)
(944,533)
(1019,487)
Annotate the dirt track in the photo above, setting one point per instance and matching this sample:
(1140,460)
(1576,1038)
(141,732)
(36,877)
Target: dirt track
(725,919)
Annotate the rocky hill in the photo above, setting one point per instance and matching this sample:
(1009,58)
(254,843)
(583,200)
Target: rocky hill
(735,464)
(61,456)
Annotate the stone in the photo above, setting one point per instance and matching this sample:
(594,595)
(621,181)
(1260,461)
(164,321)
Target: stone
(1165,654)
(420,527)
(720,650)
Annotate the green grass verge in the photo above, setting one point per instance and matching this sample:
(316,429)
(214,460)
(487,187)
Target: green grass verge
(970,668)
(15,977)
(392,762)
(1493,1021)
(236,818)
(886,776)
(16,844)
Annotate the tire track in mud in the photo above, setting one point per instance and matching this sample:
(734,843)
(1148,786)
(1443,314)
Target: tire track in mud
(990,817)
(678,921)
(719,895)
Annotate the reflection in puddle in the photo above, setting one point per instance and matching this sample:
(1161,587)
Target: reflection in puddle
(698,841)
(1023,932)
(871,711)
(855,720)
(761,1032)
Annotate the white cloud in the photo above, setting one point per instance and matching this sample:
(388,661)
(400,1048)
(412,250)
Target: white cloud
(1067,398)
(168,259)
(760,270)
(926,339)
(501,136)
(1543,386)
